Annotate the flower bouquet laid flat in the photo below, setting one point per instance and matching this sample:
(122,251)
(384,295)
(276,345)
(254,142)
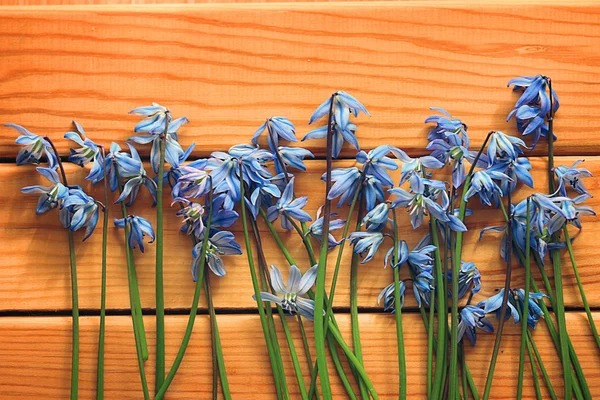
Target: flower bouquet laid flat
(256,186)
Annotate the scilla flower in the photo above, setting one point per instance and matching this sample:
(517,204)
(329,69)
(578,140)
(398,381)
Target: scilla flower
(83,210)
(572,177)
(316,228)
(292,157)
(277,127)
(470,318)
(219,244)
(423,285)
(469,277)
(132,170)
(512,171)
(288,207)
(89,152)
(503,145)
(34,147)
(535,311)
(154,125)
(377,218)
(343,130)
(414,166)
(366,242)
(534,92)
(571,214)
(346,182)
(192,214)
(483,186)
(377,163)
(290,296)
(494,304)
(192,183)
(389,298)
(50,196)
(138,228)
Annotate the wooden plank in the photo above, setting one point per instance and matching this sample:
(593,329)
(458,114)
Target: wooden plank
(35,273)
(227,67)
(35,357)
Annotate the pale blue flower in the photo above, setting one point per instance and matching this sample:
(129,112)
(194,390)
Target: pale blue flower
(572,177)
(423,285)
(290,295)
(219,244)
(89,152)
(469,277)
(83,210)
(138,228)
(277,127)
(50,196)
(535,311)
(128,165)
(494,304)
(502,145)
(372,192)
(389,297)
(289,207)
(34,148)
(449,129)
(377,219)
(512,171)
(414,166)
(571,214)
(263,195)
(470,318)
(132,171)
(346,182)
(366,242)
(316,228)
(174,173)
(192,183)
(401,255)
(482,185)
(450,153)
(292,157)
(192,214)
(376,163)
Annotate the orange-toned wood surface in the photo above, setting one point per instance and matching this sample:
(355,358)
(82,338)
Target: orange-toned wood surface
(227,67)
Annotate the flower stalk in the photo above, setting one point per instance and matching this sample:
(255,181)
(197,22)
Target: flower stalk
(102,330)
(398,314)
(524,330)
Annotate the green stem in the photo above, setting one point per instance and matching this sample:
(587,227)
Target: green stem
(293,354)
(74,293)
(259,303)
(527,266)
(580,286)
(463,365)
(101,334)
(320,286)
(430,340)
(397,302)
(441,336)
(536,382)
(160,300)
(160,393)
(532,346)
(213,343)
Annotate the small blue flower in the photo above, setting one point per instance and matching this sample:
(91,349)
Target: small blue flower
(277,127)
(401,255)
(503,145)
(263,195)
(133,173)
(483,186)
(157,117)
(571,214)
(192,183)
(454,154)
(51,196)
(535,311)
(138,228)
(415,166)
(174,173)
(316,228)
(193,223)
(468,277)
(572,177)
(389,298)
(343,105)
(83,210)
(346,182)
(512,171)
(470,318)
(34,148)
(126,164)
(447,127)
(288,207)
(290,295)
(376,163)
(292,157)
(219,244)
(423,285)
(88,152)
(494,304)
(366,242)
(377,219)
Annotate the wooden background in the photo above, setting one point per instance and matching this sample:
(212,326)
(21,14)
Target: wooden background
(227,67)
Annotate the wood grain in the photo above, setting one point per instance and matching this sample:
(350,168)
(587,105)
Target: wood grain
(35,357)
(35,274)
(227,67)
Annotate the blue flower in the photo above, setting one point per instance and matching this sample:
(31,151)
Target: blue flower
(483,185)
(174,173)
(535,311)
(366,242)
(423,285)
(34,147)
(88,152)
(372,191)
(83,210)
(316,228)
(133,173)
(468,276)
(221,243)
(192,183)
(503,145)
(288,207)
(571,214)
(193,223)
(263,195)
(277,127)
(138,228)
(494,304)
(346,182)
(415,166)
(157,117)
(222,217)
(573,177)
(125,164)
(292,157)
(401,255)
(546,206)
(377,218)
(343,105)
(389,298)
(512,171)
(51,196)
(290,295)
(376,163)
(450,153)
(470,318)
(447,128)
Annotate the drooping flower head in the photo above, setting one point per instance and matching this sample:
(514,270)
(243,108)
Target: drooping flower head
(138,228)
(289,207)
(389,297)
(316,228)
(220,244)
(132,172)
(572,177)
(50,196)
(83,210)
(471,318)
(277,127)
(193,223)
(34,148)
(89,152)
(366,242)
(290,296)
